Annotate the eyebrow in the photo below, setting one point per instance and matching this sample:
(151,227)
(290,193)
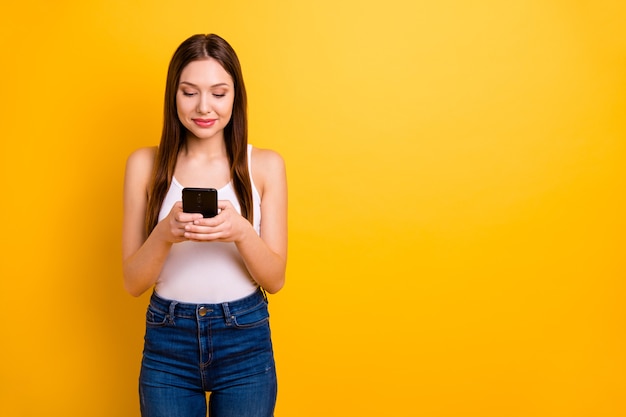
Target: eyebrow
(213,86)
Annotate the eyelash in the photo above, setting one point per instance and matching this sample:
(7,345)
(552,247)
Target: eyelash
(193,94)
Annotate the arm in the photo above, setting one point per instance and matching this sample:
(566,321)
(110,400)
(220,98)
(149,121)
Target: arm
(265,256)
(143,257)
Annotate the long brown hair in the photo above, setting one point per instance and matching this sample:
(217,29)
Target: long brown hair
(195,48)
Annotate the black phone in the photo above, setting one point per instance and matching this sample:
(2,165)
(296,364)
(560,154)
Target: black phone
(200,200)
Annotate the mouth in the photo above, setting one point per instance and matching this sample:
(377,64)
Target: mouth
(204,122)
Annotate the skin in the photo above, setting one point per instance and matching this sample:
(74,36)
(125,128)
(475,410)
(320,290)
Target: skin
(204,103)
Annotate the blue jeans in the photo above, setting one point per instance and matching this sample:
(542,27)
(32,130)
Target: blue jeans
(192,349)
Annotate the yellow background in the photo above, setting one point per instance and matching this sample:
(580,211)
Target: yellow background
(457,199)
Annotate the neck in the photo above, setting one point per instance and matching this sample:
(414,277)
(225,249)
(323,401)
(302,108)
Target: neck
(210,148)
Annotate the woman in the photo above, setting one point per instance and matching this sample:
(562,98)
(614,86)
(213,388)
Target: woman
(207,326)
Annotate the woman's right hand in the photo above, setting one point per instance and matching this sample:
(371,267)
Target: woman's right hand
(143,266)
(173,226)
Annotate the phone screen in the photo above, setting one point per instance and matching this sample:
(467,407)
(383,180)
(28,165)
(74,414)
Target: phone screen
(200,200)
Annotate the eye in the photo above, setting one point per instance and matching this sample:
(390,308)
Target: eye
(188,94)
(219,95)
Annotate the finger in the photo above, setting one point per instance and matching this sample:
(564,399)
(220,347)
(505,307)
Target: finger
(178,234)
(202,228)
(208,221)
(224,204)
(201,237)
(182,217)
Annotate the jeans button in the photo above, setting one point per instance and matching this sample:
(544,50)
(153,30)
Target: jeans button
(202,311)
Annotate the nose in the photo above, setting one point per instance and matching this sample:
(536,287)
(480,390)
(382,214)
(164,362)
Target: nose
(204,105)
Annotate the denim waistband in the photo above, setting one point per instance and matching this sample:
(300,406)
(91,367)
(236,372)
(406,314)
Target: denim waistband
(180,309)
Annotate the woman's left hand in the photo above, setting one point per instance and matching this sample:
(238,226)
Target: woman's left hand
(227,226)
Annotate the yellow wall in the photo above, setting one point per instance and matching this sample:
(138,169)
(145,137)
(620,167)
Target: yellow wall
(457,199)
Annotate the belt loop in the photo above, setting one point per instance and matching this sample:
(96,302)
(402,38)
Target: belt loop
(227,317)
(171,311)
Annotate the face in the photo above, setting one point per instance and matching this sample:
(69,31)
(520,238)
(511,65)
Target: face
(204,99)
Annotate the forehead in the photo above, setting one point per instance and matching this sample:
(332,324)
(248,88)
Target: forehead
(205,72)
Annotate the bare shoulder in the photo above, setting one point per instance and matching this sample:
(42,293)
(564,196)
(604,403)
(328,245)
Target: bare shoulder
(142,156)
(266,158)
(141,161)
(268,167)
(139,166)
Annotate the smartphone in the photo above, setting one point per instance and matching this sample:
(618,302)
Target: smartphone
(200,200)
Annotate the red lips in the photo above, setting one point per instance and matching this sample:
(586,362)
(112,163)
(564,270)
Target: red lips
(204,122)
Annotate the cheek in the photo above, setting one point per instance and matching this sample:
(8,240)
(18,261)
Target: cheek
(225,107)
(184,106)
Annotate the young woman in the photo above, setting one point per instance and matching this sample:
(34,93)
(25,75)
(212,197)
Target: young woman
(207,326)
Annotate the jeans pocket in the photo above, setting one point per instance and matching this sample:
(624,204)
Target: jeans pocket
(155,317)
(255,317)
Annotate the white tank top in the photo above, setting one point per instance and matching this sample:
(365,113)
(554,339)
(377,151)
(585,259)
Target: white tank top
(207,272)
